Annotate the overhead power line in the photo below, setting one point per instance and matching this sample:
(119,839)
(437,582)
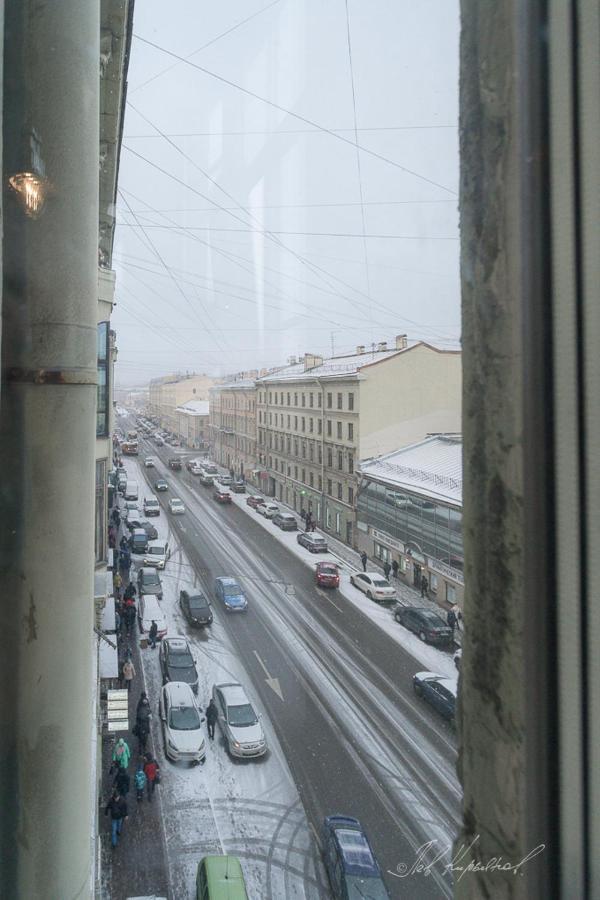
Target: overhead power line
(294,115)
(334,234)
(191,134)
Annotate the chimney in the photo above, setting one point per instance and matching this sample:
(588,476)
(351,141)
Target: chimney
(292,360)
(382,345)
(360,349)
(401,342)
(311,361)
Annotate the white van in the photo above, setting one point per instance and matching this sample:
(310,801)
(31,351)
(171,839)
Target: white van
(131,490)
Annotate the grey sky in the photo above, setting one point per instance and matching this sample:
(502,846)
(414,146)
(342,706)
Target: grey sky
(202,288)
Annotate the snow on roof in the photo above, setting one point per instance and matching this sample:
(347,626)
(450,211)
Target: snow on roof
(241,383)
(340,366)
(194,408)
(432,467)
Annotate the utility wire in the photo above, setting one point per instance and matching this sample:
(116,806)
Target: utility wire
(333,234)
(208,44)
(294,115)
(191,134)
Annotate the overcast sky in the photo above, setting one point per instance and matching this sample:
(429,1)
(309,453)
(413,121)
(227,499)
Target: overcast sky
(250,231)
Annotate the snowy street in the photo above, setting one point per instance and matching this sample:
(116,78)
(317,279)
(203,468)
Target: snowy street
(331,672)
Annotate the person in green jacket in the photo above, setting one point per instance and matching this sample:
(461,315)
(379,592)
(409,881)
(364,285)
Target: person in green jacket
(121,754)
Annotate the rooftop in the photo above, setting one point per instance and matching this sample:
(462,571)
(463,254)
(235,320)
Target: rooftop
(194,408)
(431,468)
(240,384)
(334,366)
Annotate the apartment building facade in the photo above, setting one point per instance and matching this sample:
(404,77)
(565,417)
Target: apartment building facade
(233,426)
(193,424)
(171,391)
(317,418)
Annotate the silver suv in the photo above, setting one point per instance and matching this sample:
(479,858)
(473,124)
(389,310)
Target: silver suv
(238,721)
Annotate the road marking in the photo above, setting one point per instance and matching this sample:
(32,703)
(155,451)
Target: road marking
(327,597)
(272,682)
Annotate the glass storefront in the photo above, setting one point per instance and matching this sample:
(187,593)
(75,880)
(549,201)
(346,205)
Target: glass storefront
(432,527)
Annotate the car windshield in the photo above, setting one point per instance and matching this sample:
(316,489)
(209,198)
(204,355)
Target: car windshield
(329,570)
(156,550)
(380,582)
(184,718)
(198,604)
(241,716)
(150,578)
(232,590)
(430,616)
(151,502)
(181,659)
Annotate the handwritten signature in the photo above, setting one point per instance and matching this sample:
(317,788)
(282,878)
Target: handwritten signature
(458,864)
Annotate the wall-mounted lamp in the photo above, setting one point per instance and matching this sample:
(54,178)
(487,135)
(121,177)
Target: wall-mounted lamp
(30,183)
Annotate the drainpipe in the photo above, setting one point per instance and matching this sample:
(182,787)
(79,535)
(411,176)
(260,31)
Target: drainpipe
(47,452)
(322,450)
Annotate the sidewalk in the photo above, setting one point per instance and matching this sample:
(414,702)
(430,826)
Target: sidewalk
(137,866)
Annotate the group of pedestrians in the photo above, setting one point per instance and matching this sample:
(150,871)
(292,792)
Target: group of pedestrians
(310,524)
(146,777)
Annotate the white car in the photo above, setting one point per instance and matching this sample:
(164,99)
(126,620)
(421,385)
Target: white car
(239,723)
(176,506)
(157,554)
(149,610)
(181,723)
(225,480)
(374,586)
(151,506)
(268,510)
(149,462)
(196,469)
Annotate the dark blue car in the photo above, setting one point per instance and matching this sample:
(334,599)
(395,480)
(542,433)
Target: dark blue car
(230,594)
(439,691)
(352,868)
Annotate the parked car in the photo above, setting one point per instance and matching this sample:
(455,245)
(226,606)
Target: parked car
(238,487)
(157,554)
(430,627)
(161,485)
(254,500)
(206,479)
(239,723)
(138,542)
(268,510)
(375,586)
(134,519)
(439,691)
(230,594)
(222,496)
(175,463)
(285,521)
(196,609)
(316,543)
(327,574)
(350,863)
(149,462)
(149,582)
(177,662)
(457,659)
(220,877)
(131,504)
(151,506)
(225,480)
(150,529)
(149,610)
(181,723)
(176,507)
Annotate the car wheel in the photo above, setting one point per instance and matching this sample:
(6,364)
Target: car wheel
(417,689)
(370,595)
(423,637)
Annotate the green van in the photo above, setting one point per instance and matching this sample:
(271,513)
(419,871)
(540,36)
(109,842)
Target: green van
(220,878)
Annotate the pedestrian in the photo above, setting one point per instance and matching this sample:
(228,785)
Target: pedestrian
(308,521)
(139,779)
(130,614)
(121,754)
(130,591)
(117,619)
(395,568)
(313,527)
(152,634)
(142,704)
(123,543)
(212,714)
(424,586)
(118,584)
(112,539)
(141,731)
(117,805)
(459,616)
(451,619)
(128,673)
(151,771)
(387,569)
(364,558)
(302,513)
(122,782)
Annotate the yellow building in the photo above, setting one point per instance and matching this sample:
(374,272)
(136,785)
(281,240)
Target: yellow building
(171,391)
(233,425)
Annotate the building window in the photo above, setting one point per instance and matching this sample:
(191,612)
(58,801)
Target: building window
(339,401)
(337,523)
(303,399)
(281,398)
(450,593)
(382,553)
(311,479)
(320,483)
(295,399)
(319,453)
(311,451)
(350,401)
(319,426)
(296,472)
(328,427)
(289,470)
(311,399)
(350,464)
(288,421)
(295,423)
(339,430)
(303,476)
(350,495)
(339,492)
(319,400)
(102,392)
(270,418)
(340,461)
(270,397)
(311,424)
(296,448)
(329,401)
(275,398)
(433,583)
(303,424)
(329,487)
(288,398)
(101,525)
(329,457)
(303,449)
(350,431)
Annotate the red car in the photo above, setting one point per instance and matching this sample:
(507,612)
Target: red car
(222,496)
(254,500)
(327,575)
